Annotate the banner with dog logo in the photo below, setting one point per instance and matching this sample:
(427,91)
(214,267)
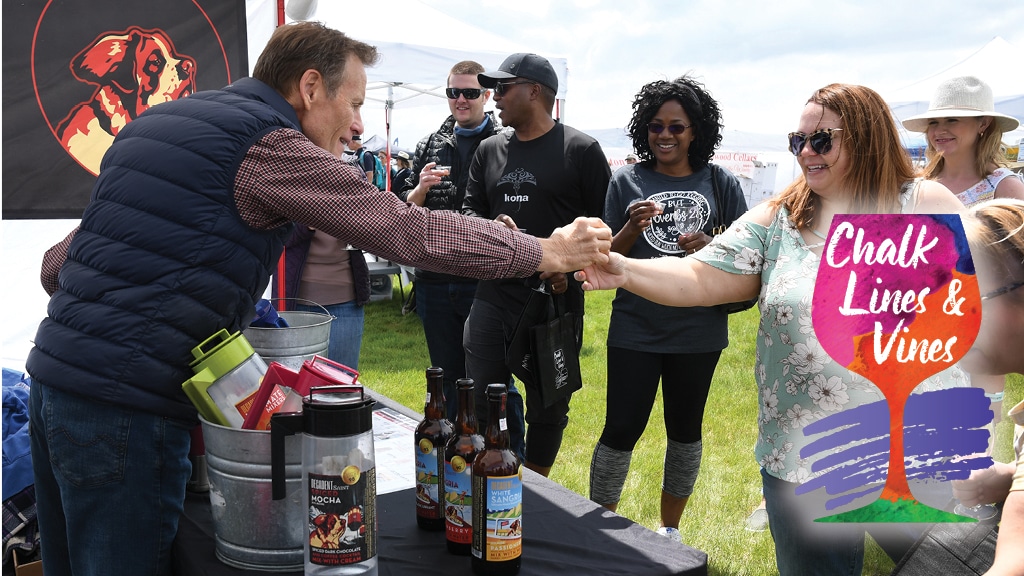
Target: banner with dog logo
(76,72)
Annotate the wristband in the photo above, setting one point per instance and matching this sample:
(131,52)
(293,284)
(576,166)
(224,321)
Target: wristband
(995,396)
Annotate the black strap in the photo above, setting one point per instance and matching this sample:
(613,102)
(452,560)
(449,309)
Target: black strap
(720,225)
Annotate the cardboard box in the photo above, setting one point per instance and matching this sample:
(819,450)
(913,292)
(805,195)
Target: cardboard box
(27,569)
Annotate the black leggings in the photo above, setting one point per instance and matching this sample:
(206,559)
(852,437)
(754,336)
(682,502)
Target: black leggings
(633,383)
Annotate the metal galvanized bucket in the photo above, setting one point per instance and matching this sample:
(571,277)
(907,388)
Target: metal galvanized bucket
(252,530)
(307,334)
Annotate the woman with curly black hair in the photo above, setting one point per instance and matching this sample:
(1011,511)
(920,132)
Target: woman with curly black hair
(667,205)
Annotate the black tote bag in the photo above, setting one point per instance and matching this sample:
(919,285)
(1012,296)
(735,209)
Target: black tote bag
(543,352)
(519,347)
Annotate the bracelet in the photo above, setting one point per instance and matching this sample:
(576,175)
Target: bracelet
(995,396)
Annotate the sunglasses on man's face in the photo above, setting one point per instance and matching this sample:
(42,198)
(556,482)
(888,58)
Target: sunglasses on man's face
(469,93)
(820,141)
(674,129)
(502,87)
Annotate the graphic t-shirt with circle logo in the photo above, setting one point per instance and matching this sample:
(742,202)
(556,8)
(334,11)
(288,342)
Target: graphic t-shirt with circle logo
(688,204)
(683,212)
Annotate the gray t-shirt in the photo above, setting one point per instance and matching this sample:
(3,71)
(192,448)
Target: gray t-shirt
(689,204)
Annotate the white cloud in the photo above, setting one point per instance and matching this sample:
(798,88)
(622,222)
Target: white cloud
(760,60)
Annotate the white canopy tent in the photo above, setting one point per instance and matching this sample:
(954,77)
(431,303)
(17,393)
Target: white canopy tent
(418,46)
(994,63)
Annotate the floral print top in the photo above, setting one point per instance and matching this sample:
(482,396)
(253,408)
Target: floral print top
(986,189)
(797,380)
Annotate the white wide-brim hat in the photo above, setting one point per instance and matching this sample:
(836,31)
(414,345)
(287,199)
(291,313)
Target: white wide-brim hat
(961,97)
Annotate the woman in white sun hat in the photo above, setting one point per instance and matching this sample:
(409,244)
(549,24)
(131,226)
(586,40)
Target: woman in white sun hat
(964,133)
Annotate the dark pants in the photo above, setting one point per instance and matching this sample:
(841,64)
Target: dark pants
(487,330)
(633,379)
(444,307)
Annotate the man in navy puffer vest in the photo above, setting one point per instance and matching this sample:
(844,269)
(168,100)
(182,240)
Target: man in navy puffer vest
(186,222)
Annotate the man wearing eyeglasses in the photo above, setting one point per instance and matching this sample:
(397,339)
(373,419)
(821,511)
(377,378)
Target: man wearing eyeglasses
(443,300)
(540,176)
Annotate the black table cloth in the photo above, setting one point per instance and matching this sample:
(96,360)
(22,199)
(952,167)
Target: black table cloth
(563,533)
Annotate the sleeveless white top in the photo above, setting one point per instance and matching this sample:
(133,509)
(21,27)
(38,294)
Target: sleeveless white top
(986,189)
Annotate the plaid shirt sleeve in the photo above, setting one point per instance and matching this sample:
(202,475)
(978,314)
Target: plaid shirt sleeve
(285,177)
(53,259)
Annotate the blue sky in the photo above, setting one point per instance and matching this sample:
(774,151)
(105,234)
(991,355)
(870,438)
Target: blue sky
(761,60)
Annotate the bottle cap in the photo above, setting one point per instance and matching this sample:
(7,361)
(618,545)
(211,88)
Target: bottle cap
(495,390)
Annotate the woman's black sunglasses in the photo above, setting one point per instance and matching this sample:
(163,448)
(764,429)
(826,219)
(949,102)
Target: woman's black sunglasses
(820,141)
(676,129)
(469,93)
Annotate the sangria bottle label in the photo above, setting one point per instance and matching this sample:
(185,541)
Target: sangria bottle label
(428,480)
(499,517)
(458,500)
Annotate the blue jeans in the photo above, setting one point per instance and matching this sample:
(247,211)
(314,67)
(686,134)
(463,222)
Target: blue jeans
(346,336)
(110,484)
(804,547)
(444,307)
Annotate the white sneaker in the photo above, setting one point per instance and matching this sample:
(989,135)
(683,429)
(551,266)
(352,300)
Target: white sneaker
(670,533)
(757,521)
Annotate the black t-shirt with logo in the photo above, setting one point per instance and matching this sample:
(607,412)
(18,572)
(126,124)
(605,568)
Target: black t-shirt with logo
(542,184)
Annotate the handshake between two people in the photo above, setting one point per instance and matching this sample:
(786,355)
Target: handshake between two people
(585,248)
(584,244)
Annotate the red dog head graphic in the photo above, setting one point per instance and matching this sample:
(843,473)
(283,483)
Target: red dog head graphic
(133,70)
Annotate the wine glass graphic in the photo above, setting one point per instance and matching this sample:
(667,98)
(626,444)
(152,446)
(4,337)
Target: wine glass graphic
(896,300)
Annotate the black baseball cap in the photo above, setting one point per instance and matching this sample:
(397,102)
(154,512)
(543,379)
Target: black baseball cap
(522,65)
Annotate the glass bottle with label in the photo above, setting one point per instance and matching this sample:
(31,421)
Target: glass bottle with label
(431,438)
(459,454)
(497,496)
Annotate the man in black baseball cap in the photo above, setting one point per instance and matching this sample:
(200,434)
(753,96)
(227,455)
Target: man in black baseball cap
(537,178)
(522,65)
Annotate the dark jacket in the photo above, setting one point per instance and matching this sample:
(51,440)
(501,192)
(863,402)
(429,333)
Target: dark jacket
(440,147)
(296,249)
(400,181)
(162,259)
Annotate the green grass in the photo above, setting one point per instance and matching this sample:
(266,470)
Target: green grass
(394,357)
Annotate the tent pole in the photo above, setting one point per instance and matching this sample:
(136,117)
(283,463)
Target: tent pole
(280,262)
(387,132)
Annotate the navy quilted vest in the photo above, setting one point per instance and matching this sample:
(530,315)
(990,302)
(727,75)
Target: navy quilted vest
(162,259)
